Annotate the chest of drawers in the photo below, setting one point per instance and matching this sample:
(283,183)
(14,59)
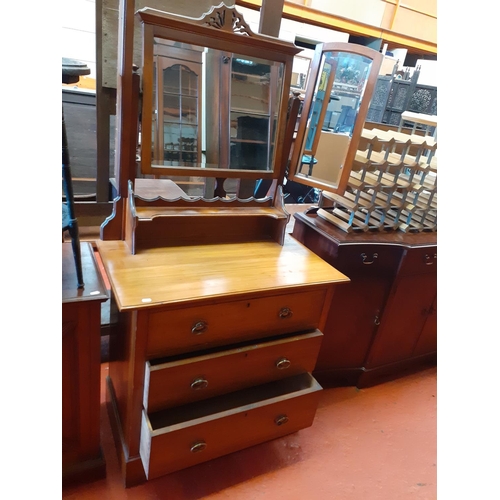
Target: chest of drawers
(213,349)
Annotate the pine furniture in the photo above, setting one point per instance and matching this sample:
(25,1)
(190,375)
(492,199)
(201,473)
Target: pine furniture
(213,350)
(219,312)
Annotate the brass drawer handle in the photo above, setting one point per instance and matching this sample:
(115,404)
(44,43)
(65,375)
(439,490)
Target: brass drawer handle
(199,446)
(368,262)
(281,419)
(199,327)
(285,312)
(283,364)
(429,259)
(199,383)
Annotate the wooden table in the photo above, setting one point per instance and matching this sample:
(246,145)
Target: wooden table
(82,459)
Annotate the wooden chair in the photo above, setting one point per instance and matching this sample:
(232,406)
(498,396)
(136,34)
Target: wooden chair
(69,221)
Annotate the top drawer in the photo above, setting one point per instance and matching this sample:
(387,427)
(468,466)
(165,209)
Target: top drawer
(192,328)
(368,259)
(420,260)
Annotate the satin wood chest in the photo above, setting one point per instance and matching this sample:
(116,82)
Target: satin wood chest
(213,349)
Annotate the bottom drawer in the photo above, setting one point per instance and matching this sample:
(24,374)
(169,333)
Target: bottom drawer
(180,437)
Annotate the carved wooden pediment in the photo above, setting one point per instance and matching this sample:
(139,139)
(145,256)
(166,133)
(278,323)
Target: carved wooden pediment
(226,18)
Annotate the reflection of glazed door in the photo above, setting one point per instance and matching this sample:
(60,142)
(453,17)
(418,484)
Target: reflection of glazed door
(177,134)
(252,104)
(242,112)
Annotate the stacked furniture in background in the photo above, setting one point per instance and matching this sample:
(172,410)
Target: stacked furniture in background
(392,185)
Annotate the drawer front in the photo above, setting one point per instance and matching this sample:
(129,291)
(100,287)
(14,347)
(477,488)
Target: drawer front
(189,329)
(368,259)
(421,260)
(182,381)
(286,408)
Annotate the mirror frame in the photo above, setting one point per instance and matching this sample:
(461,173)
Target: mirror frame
(220,28)
(351,48)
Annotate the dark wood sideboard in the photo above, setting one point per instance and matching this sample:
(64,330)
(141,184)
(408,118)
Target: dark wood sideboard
(384,322)
(82,459)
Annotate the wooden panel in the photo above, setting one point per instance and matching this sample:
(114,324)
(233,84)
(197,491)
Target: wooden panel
(427,342)
(368,259)
(352,323)
(81,313)
(169,228)
(188,329)
(170,440)
(70,416)
(180,381)
(403,320)
(419,260)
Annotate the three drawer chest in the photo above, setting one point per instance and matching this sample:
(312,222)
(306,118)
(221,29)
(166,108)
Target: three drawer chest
(213,348)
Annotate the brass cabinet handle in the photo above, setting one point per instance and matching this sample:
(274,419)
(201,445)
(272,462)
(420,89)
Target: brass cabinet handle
(199,327)
(199,383)
(281,419)
(285,312)
(199,446)
(368,262)
(283,363)
(429,259)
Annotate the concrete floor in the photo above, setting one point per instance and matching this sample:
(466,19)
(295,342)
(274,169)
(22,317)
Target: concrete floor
(378,443)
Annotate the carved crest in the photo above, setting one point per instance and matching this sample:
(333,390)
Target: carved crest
(226,18)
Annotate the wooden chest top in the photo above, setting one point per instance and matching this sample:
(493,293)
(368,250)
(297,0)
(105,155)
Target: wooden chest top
(173,275)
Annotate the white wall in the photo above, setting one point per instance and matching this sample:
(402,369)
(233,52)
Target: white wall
(78,31)
(428,72)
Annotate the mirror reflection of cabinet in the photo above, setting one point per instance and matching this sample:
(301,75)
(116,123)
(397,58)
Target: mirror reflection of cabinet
(212,106)
(243,89)
(177,117)
(340,87)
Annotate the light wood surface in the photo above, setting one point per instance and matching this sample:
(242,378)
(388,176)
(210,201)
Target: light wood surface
(173,275)
(419,118)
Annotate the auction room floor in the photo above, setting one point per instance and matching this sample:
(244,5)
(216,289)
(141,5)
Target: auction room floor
(377,443)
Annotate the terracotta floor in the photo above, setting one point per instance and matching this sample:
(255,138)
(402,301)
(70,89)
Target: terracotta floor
(377,443)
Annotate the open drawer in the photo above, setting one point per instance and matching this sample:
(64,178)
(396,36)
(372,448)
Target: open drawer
(180,437)
(184,379)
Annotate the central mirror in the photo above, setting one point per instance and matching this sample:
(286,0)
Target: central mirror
(213,109)
(342,80)
(214,101)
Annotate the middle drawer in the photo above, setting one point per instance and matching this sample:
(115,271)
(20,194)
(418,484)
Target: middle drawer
(180,380)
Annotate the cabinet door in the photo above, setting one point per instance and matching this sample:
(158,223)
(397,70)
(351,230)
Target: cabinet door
(403,319)
(352,321)
(427,342)
(178,136)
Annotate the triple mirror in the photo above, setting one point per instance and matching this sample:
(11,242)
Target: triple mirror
(341,84)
